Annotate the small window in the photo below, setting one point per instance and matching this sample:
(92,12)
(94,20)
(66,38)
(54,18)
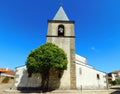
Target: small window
(98,76)
(80,71)
(61,30)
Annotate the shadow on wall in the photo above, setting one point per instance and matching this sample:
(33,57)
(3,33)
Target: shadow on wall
(33,84)
(55,79)
(29,83)
(6,80)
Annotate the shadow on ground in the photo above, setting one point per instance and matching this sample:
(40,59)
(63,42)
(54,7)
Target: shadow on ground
(30,91)
(33,90)
(117,90)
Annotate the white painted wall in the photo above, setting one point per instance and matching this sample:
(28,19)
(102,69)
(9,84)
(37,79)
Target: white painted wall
(86,77)
(113,77)
(22,79)
(5,74)
(81,59)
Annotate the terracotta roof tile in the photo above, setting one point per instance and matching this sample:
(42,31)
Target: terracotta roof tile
(8,71)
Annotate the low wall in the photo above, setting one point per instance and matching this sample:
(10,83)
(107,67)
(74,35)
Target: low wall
(6,79)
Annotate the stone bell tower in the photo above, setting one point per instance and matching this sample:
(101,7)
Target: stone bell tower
(61,33)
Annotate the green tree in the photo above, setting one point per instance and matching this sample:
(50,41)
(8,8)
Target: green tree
(44,58)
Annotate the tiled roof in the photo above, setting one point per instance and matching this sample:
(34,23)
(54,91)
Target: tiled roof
(7,71)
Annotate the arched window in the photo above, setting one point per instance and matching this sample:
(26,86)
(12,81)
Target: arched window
(61,30)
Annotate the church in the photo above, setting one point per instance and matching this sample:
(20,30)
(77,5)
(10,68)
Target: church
(79,75)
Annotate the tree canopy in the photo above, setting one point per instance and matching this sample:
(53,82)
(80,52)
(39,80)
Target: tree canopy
(44,58)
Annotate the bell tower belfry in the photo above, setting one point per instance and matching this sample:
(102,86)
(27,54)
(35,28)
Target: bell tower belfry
(61,33)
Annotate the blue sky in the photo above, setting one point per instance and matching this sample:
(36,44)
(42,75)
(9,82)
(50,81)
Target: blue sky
(23,27)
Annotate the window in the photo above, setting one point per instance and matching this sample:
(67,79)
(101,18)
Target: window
(98,76)
(80,71)
(61,30)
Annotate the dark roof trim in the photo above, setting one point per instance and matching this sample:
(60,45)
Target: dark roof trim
(20,66)
(60,21)
(61,36)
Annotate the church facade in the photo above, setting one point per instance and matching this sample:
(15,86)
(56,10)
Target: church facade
(79,75)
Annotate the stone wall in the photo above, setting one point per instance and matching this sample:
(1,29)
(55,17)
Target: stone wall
(67,43)
(55,79)
(6,79)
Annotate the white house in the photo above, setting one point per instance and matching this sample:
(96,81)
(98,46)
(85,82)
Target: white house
(112,76)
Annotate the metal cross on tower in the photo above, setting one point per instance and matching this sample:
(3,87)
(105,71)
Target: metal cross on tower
(61,3)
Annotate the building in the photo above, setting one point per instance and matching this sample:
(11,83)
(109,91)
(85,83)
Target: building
(6,75)
(79,75)
(112,76)
(87,77)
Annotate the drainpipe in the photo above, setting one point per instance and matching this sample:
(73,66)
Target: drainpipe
(81,88)
(107,83)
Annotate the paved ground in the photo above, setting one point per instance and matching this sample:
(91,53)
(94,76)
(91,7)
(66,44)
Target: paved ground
(115,90)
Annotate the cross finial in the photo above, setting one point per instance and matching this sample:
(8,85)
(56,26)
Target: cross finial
(60,2)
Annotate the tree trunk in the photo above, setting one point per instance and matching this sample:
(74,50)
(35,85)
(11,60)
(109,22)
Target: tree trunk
(45,81)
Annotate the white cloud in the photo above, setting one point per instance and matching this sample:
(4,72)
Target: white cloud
(94,49)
